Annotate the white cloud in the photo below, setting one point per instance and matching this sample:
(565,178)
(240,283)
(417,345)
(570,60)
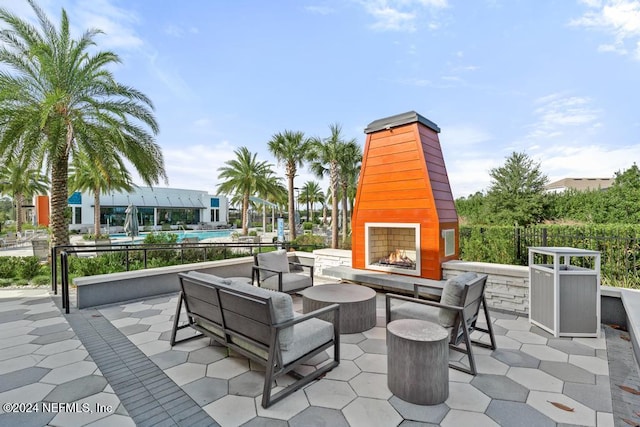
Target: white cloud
(459,136)
(618,18)
(587,161)
(117,24)
(557,112)
(401,15)
(196,166)
(179,31)
(320,10)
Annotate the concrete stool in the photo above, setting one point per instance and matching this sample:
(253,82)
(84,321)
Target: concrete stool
(418,361)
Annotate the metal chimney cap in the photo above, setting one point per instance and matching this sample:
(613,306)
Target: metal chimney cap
(400,120)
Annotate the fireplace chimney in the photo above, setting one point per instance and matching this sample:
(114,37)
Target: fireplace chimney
(404,200)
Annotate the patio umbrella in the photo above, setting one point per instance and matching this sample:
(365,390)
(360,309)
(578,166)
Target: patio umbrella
(131,224)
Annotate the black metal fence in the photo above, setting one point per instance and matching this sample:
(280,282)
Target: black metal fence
(619,246)
(140,256)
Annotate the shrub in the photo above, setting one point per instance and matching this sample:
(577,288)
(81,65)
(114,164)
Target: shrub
(84,266)
(252,233)
(316,242)
(95,236)
(269,228)
(8,267)
(28,267)
(161,239)
(4,282)
(307,226)
(41,280)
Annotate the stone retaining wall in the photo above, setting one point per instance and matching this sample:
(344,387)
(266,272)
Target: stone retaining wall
(507,285)
(325,258)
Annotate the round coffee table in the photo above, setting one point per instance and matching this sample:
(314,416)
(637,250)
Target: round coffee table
(357,304)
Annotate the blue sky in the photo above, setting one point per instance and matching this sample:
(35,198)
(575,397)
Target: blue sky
(557,79)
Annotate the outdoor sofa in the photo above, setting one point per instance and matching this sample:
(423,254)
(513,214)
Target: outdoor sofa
(259,324)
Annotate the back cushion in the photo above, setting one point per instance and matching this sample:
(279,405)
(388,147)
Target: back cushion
(276,260)
(452,295)
(209,278)
(282,309)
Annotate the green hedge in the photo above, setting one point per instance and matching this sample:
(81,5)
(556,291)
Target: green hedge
(619,245)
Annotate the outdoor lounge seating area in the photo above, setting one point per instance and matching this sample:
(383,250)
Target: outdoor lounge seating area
(122,355)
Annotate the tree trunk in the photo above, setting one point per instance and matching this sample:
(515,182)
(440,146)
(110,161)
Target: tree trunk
(59,200)
(245,215)
(292,210)
(345,228)
(333,178)
(96,212)
(19,202)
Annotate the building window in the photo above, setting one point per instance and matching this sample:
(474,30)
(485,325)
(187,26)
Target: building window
(215,215)
(77,215)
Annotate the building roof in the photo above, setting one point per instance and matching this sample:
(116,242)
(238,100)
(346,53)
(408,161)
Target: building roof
(580,184)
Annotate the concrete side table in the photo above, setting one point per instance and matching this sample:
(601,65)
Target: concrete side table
(418,361)
(357,304)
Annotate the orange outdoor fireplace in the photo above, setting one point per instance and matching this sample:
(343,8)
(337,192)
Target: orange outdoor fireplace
(404,218)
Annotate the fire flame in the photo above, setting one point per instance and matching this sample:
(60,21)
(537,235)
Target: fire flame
(397,256)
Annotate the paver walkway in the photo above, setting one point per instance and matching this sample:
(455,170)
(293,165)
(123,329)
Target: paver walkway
(120,356)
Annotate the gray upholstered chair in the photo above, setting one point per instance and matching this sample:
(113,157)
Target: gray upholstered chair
(272,271)
(457,311)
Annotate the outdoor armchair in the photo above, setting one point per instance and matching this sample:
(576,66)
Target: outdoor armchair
(273,270)
(457,311)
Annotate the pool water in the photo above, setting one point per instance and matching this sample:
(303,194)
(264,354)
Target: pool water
(200,234)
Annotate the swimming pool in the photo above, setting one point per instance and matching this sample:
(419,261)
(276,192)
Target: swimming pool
(200,234)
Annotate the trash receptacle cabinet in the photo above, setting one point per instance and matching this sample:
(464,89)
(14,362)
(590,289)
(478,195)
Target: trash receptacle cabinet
(564,298)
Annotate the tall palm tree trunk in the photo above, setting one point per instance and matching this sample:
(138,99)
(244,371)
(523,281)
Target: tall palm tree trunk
(19,199)
(333,178)
(59,197)
(96,212)
(292,211)
(345,227)
(245,214)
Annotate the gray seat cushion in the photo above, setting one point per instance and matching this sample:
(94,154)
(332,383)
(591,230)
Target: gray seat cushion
(452,295)
(412,310)
(290,282)
(307,335)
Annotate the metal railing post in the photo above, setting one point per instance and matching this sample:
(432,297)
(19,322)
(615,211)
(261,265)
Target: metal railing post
(64,267)
(54,271)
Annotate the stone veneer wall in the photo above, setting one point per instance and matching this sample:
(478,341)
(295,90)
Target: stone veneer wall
(507,285)
(325,258)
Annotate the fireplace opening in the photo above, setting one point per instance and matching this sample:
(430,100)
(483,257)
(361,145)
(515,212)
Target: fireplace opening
(393,247)
(398,258)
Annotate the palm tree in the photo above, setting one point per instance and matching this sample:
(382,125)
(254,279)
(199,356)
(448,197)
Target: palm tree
(60,97)
(325,158)
(243,177)
(21,181)
(100,177)
(350,162)
(290,148)
(315,195)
